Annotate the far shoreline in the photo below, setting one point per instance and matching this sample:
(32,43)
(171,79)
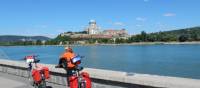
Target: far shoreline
(135,43)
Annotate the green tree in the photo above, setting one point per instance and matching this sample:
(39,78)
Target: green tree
(38,42)
(120,40)
(194,36)
(183,38)
(143,36)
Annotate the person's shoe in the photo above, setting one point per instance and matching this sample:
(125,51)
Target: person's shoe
(68,85)
(58,66)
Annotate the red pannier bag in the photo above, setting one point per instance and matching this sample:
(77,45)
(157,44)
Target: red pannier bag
(36,76)
(73,81)
(46,72)
(86,77)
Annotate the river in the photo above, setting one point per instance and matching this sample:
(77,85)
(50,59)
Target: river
(167,60)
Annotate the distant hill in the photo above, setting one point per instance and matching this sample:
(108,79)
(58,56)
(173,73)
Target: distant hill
(187,34)
(181,35)
(16,38)
(186,31)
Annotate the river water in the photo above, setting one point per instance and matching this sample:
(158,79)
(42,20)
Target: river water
(167,60)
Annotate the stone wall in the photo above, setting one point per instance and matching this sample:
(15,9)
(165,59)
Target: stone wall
(105,78)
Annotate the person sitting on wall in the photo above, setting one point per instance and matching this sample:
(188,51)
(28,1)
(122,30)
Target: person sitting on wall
(65,62)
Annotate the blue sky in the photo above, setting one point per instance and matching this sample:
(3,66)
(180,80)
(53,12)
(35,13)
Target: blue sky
(51,17)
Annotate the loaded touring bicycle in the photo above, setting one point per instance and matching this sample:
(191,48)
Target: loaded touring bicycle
(37,74)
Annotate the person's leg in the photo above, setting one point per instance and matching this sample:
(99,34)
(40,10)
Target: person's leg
(64,63)
(68,82)
(59,63)
(69,73)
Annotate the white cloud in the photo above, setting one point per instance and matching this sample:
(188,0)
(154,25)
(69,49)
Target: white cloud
(138,25)
(169,14)
(141,19)
(119,24)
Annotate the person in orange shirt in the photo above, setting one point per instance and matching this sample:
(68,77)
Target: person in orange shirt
(65,59)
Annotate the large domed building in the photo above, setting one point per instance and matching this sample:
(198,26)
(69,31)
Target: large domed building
(93,28)
(93,31)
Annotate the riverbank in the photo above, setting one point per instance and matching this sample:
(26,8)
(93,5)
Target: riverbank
(134,43)
(165,43)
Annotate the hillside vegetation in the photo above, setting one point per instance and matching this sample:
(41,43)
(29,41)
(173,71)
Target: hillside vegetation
(181,35)
(22,40)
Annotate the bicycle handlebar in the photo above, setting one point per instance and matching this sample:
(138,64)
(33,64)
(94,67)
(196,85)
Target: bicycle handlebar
(34,57)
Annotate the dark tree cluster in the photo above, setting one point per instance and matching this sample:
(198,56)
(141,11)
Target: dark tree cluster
(182,35)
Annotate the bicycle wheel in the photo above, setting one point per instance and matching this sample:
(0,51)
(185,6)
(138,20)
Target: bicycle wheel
(82,83)
(30,79)
(42,84)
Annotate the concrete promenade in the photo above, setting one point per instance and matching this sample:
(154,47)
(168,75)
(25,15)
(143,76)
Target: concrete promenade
(13,81)
(8,81)
(102,78)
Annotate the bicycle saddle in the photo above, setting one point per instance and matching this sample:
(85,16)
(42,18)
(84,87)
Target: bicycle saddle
(36,61)
(79,68)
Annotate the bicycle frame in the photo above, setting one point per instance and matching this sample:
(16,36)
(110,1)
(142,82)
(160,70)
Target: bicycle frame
(76,72)
(81,81)
(42,84)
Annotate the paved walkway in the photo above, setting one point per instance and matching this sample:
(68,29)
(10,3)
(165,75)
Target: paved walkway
(11,81)
(8,83)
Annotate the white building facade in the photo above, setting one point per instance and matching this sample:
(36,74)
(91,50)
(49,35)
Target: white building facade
(93,28)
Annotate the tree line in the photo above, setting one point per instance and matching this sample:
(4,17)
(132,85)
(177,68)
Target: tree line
(183,35)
